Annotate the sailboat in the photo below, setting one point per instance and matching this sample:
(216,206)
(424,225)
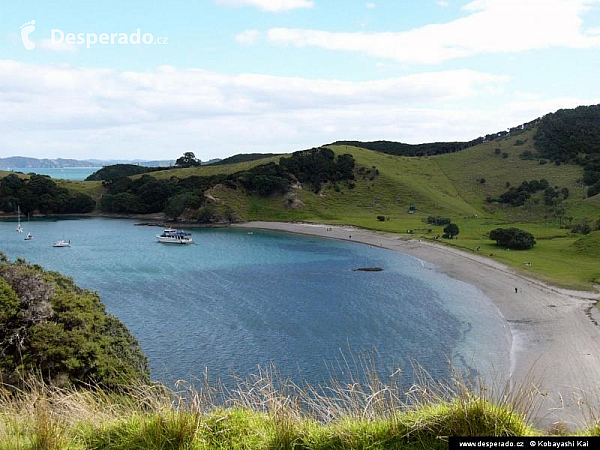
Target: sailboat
(19,227)
(29,235)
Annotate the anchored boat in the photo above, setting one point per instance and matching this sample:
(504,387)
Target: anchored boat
(172,236)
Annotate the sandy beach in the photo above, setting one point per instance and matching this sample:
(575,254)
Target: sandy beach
(556,336)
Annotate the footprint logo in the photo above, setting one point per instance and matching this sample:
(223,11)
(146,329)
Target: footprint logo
(26,30)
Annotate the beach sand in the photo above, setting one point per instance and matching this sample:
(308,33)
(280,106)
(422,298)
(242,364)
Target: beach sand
(556,336)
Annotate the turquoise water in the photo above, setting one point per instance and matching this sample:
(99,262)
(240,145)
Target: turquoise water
(234,301)
(66,173)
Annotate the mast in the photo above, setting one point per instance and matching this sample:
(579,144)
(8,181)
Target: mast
(19,227)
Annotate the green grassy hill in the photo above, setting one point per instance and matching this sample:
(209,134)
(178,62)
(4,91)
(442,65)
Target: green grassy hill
(212,169)
(448,185)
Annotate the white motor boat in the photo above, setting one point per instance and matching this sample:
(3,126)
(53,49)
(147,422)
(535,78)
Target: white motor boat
(62,243)
(172,236)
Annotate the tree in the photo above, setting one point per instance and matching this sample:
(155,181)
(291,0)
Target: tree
(512,238)
(188,160)
(451,230)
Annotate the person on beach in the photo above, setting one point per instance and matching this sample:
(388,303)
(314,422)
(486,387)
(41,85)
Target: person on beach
(516,290)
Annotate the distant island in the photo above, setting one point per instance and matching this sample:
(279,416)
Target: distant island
(23,162)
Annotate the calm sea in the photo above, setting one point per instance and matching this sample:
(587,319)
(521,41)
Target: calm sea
(66,173)
(235,300)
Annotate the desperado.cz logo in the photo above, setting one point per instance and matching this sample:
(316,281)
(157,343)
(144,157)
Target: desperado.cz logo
(58,37)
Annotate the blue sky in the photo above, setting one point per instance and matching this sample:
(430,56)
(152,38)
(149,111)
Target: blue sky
(282,75)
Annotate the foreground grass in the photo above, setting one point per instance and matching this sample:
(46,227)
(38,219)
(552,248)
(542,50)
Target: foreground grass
(262,412)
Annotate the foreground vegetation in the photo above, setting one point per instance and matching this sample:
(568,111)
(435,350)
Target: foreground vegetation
(51,327)
(74,378)
(263,412)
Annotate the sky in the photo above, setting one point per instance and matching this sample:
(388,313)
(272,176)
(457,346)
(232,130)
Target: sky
(151,80)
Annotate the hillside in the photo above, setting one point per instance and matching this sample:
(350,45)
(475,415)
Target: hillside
(450,185)
(24,162)
(482,187)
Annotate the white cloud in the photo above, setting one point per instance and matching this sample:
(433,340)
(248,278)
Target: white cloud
(442,3)
(50,45)
(491,26)
(270,5)
(593,31)
(85,112)
(247,37)
(370,5)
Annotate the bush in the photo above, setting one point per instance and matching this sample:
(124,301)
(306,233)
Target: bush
(437,220)
(512,238)
(381,218)
(527,155)
(594,190)
(52,328)
(582,227)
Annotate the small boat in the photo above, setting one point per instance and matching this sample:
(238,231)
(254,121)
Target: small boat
(62,243)
(19,227)
(172,236)
(29,237)
(250,232)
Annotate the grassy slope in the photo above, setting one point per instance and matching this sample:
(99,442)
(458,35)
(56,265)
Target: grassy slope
(448,185)
(210,169)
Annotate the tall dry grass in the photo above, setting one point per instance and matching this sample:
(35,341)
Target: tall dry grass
(264,410)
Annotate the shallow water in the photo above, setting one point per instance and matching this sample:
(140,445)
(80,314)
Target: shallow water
(236,300)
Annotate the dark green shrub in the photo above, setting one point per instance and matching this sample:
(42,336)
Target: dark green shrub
(450,231)
(52,328)
(513,238)
(437,220)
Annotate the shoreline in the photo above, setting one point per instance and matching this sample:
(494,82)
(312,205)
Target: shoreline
(555,343)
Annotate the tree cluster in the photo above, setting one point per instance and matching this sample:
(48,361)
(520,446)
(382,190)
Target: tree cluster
(517,196)
(52,328)
(41,193)
(116,171)
(513,238)
(401,149)
(319,165)
(243,157)
(438,220)
(573,136)
(151,195)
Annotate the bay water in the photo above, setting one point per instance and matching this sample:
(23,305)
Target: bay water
(234,301)
(59,173)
